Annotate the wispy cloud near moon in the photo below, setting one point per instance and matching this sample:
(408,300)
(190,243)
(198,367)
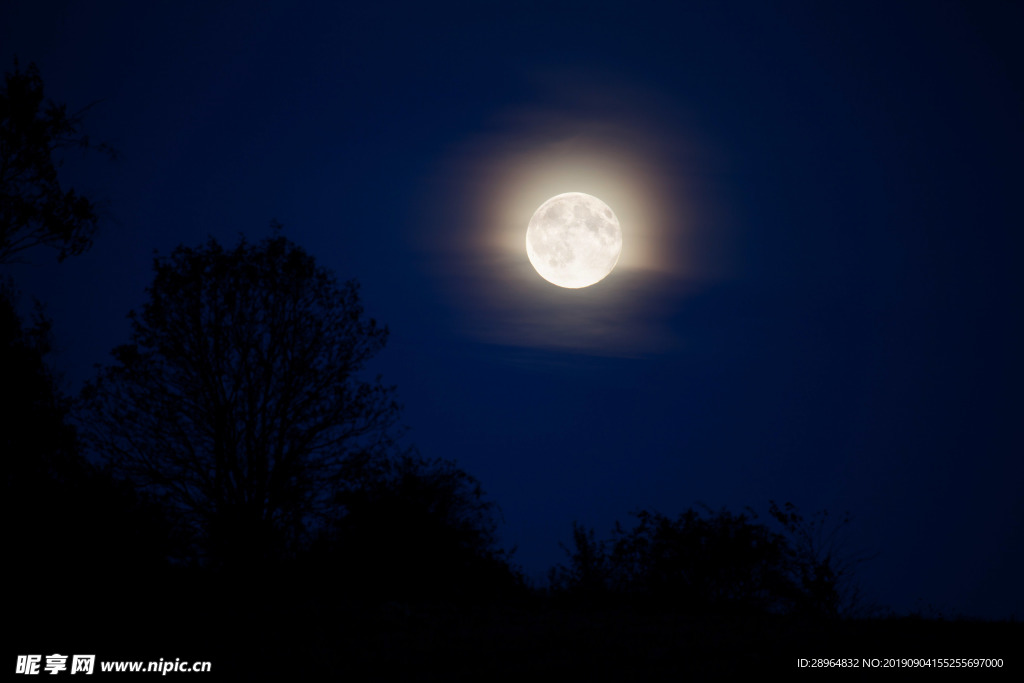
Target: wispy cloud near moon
(615,143)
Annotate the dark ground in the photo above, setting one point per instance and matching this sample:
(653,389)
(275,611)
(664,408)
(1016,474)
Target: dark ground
(292,633)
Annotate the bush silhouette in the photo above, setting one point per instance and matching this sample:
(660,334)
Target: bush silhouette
(705,561)
(588,575)
(414,528)
(821,565)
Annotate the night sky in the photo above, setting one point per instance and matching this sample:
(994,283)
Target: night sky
(819,297)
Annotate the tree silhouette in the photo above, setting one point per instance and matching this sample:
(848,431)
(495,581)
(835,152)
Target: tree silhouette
(34,208)
(588,574)
(822,564)
(702,561)
(34,437)
(699,561)
(71,523)
(412,528)
(238,400)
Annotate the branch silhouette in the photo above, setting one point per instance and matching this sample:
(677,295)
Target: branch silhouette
(34,208)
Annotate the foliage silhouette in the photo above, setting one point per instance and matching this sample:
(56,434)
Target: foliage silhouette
(69,522)
(238,400)
(34,208)
(588,574)
(821,565)
(704,561)
(31,407)
(413,528)
(701,561)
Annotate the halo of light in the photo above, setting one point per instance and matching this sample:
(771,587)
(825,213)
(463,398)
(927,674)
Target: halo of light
(607,141)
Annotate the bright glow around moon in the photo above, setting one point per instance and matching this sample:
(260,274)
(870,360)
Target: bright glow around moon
(610,140)
(574,240)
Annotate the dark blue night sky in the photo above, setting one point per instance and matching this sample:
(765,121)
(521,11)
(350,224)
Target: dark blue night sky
(821,302)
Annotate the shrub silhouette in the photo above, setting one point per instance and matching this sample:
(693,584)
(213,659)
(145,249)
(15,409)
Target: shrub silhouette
(413,528)
(588,575)
(702,561)
(705,561)
(820,563)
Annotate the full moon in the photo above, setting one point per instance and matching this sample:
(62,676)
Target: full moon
(574,240)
